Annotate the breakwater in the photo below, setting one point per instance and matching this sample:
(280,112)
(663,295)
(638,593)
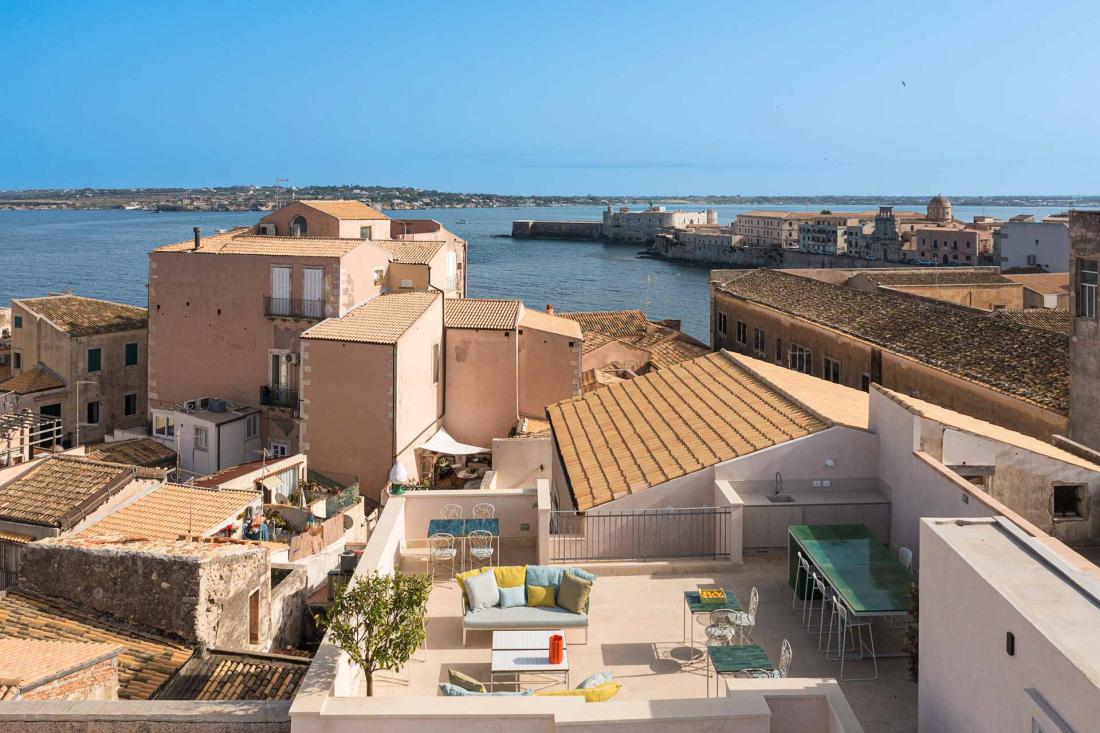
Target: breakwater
(581,230)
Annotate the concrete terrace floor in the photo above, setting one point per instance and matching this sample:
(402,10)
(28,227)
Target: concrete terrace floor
(636,630)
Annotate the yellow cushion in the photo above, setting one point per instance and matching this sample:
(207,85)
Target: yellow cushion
(510,576)
(461,577)
(603,693)
(540,595)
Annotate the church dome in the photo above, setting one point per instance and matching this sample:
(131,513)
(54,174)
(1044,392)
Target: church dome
(939,208)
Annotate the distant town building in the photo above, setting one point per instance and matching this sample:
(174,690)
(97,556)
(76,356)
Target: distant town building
(1031,245)
(210,434)
(625,225)
(827,233)
(82,360)
(939,209)
(779,229)
(981,288)
(882,241)
(1043,290)
(952,245)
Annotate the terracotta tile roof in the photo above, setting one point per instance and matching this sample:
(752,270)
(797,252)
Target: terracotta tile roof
(1047,319)
(24,662)
(343,208)
(1024,363)
(35,379)
(241,242)
(136,452)
(478,313)
(1049,283)
(173,510)
(598,378)
(611,323)
(60,490)
(673,351)
(541,321)
(197,549)
(15,538)
(236,676)
(86,316)
(411,251)
(147,659)
(645,431)
(936,276)
(594,340)
(381,320)
(212,481)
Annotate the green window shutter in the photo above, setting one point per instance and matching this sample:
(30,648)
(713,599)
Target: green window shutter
(95,360)
(131,354)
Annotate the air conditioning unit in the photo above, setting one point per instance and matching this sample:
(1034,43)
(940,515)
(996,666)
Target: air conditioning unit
(190,406)
(267,230)
(292,358)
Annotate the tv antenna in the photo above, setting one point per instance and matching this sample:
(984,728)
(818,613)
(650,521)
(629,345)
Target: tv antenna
(278,189)
(648,300)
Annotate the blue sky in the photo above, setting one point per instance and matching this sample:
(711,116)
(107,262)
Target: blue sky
(555,97)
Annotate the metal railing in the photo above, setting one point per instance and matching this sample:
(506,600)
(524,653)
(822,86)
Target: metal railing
(294,308)
(640,534)
(278,396)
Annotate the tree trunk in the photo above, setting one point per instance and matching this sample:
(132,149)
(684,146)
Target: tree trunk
(370,682)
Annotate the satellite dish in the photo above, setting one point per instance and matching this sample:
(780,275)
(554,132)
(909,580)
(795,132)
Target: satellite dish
(281,499)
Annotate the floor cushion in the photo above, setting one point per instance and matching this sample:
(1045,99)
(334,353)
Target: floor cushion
(594,680)
(603,693)
(465,681)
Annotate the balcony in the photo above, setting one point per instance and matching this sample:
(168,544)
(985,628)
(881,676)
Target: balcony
(311,309)
(278,397)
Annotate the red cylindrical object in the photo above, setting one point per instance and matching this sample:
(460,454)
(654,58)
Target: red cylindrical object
(557,648)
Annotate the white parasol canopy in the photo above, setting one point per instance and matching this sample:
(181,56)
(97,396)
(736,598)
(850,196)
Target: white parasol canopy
(442,442)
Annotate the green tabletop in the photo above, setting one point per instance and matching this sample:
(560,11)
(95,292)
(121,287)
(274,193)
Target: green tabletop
(691,598)
(861,569)
(738,658)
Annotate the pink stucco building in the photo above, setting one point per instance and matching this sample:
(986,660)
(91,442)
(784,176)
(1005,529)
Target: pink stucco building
(245,296)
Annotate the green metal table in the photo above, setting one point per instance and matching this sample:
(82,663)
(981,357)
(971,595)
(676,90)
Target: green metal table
(737,658)
(694,605)
(864,573)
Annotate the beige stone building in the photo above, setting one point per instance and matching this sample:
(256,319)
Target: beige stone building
(625,225)
(245,296)
(80,359)
(779,229)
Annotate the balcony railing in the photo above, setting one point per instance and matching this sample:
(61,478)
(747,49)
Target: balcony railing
(294,308)
(278,396)
(640,534)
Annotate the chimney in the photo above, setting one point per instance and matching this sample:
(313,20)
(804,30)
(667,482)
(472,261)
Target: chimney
(550,309)
(198,239)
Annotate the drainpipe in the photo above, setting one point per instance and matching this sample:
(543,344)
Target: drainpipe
(442,346)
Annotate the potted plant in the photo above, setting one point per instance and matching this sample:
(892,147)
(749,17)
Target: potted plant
(379,621)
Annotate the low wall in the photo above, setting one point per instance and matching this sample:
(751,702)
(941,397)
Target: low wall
(557,229)
(515,508)
(288,603)
(142,716)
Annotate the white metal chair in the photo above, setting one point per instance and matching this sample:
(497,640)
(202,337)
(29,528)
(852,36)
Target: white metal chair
(801,579)
(484,511)
(441,553)
(781,670)
(849,623)
(481,548)
(905,555)
(721,628)
(823,591)
(812,599)
(745,620)
(450,511)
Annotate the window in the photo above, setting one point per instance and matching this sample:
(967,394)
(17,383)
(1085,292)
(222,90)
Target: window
(778,351)
(200,438)
(830,370)
(435,363)
(95,360)
(163,426)
(1069,501)
(276,449)
(865,382)
(1031,260)
(131,354)
(379,275)
(722,323)
(313,296)
(129,404)
(254,617)
(92,413)
(364,233)
(251,427)
(759,343)
(19,321)
(1086,288)
(452,270)
(299,227)
(17,360)
(742,333)
(800,359)
(280,291)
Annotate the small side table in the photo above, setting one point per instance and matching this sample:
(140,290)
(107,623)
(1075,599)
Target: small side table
(730,659)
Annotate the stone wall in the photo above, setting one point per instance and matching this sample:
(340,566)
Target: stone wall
(140,716)
(557,229)
(288,603)
(97,681)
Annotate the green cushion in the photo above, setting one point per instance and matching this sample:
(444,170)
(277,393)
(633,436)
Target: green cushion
(573,592)
(465,681)
(540,595)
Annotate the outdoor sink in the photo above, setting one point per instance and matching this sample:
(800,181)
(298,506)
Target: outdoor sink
(780,498)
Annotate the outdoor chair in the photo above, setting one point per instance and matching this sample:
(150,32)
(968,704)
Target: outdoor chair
(851,625)
(450,511)
(801,582)
(441,553)
(720,629)
(781,670)
(745,620)
(481,548)
(484,511)
(826,594)
(905,555)
(812,599)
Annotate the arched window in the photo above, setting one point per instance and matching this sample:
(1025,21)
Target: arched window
(298,227)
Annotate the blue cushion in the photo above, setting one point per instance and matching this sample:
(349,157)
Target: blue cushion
(544,575)
(510,597)
(450,690)
(595,680)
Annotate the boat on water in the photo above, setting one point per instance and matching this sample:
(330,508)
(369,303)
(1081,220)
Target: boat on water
(461,221)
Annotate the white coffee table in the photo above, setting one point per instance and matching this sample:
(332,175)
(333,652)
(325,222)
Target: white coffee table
(519,654)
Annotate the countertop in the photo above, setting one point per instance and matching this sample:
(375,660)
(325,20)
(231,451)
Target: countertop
(818,498)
